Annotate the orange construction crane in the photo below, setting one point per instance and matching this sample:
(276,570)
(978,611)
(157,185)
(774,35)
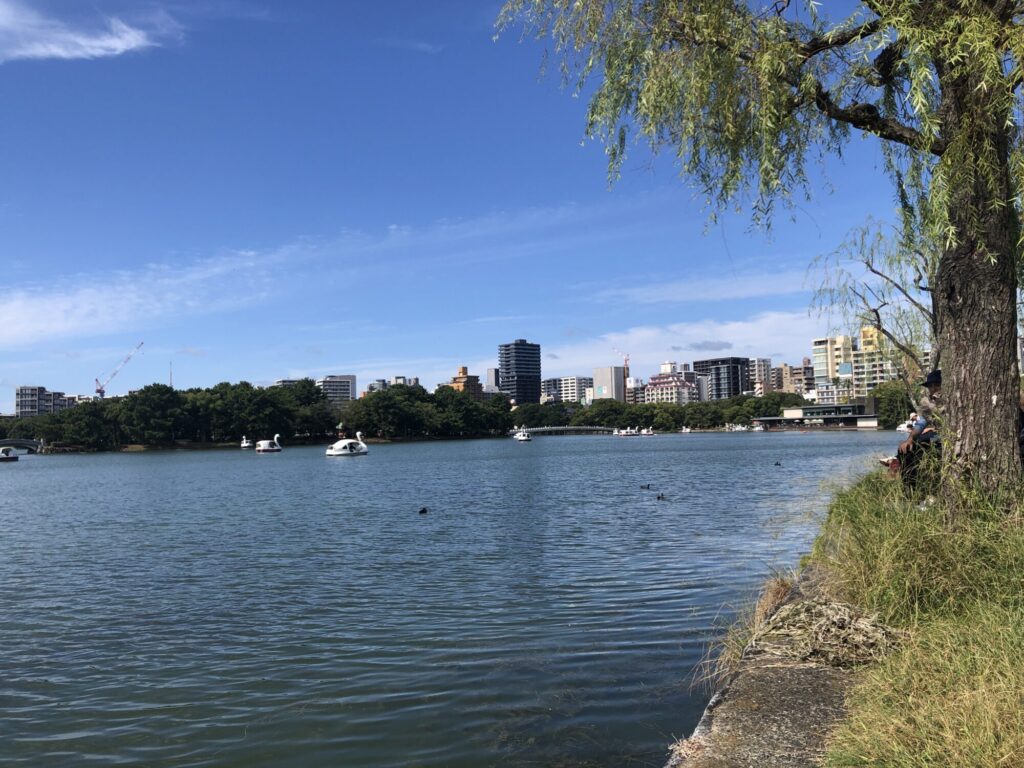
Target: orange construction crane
(101,389)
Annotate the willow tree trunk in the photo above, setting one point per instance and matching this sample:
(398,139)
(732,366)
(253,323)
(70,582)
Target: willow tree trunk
(975,297)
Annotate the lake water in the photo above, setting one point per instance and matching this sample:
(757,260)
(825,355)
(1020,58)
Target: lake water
(230,609)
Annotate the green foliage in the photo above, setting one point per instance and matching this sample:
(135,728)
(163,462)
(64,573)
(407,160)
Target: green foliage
(893,404)
(410,412)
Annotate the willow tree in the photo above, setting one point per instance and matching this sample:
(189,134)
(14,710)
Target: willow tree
(747,94)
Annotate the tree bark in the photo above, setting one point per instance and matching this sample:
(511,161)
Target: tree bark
(975,301)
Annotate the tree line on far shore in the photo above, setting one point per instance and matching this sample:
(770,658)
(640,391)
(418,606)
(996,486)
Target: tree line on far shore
(158,415)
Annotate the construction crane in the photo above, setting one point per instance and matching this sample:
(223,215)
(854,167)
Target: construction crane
(101,389)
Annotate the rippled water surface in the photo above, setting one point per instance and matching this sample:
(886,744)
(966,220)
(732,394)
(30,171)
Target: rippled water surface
(227,609)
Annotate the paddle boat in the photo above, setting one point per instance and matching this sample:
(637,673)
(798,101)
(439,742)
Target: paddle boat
(269,446)
(246,443)
(348,447)
(7,454)
(522,435)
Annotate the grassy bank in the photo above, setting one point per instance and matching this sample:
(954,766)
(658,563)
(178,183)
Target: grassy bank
(950,571)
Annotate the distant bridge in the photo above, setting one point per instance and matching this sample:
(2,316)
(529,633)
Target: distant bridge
(566,430)
(32,446)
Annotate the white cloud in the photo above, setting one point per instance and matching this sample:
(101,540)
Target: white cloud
(28,34)
(416,46)
(787,332)
(103,304)
(746,286)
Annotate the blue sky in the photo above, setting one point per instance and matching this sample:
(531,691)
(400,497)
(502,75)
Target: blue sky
(275,189)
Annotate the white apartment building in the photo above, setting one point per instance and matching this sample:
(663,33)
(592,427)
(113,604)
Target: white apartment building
(338,389)
(671,387)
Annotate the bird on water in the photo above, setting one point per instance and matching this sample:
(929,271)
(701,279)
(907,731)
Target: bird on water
(423,510)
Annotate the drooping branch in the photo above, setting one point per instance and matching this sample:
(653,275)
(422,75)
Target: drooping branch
(867,117)
(926,312)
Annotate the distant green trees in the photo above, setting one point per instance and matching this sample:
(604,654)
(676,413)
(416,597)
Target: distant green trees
(160,415)
(411,412)
(893,403)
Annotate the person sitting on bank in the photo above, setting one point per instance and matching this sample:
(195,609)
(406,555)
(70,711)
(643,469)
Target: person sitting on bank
(924,435)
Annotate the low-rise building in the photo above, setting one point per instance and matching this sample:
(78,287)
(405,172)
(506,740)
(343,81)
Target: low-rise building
(671,387)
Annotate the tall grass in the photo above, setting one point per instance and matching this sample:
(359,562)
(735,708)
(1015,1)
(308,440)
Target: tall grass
(949,569)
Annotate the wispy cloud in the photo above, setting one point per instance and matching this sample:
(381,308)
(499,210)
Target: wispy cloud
(100,304)
(789,334)
(745,286)
(28,34)
(416,46)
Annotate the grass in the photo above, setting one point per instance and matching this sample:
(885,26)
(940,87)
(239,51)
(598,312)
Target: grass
(950,571)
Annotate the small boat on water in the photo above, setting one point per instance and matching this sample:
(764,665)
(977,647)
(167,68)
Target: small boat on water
(684,431)
(246,443)
(7,454)
(522,435)
(648,431)
(908,425)
(348,447)
(269,446)
(627,432)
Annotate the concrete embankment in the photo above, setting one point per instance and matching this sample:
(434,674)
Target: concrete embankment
(788,692)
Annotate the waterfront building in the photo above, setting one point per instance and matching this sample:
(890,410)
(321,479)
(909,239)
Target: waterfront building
(519,371)
(549,391)
(727,376)
(466,382)
(338,389)
(671,387)
(610,383)
(35,401)
(761,375)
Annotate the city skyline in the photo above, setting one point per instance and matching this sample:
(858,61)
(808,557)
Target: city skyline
(266,213)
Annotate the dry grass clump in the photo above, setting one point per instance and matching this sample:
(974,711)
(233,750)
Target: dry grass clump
(836,634)
(724,656)
(954,696)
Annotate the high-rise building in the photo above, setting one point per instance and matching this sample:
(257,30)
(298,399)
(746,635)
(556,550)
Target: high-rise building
(761,375)
(871,363)
(519,371)
(492,382)
(829,354)
(727,376)
(338,389)
(610,383)
(468,383)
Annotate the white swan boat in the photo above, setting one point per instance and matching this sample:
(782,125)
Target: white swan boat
(7,454)
(648,431)
(246,443)
(348,447)
(627,432)
(522,435)
(269,446)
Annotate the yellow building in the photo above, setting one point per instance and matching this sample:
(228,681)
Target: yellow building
(471,385)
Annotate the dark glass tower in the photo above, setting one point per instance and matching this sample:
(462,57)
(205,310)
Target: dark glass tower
(519,371)
(727,376)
